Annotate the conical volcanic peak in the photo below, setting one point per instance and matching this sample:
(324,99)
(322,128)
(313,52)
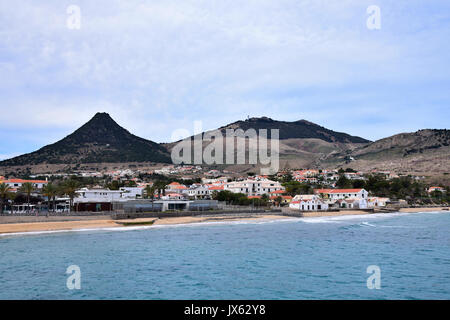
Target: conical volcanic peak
(100,140)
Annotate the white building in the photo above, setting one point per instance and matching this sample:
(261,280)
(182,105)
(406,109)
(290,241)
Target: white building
(219,180)
(440,189)
(198,192)
(132,192)
(375,202)
(253,187)
(308,202)
(173,196)
(98,195)
(353,203)
(338,194)
(176,187)
(17,183)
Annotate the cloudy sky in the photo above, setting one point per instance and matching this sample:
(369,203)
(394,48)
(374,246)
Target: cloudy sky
(158,66)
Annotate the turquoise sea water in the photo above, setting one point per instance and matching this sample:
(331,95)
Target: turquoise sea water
(311,258)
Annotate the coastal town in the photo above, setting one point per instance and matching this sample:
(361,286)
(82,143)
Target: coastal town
(175,188)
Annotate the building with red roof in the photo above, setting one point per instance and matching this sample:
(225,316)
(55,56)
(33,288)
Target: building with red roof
(17,183)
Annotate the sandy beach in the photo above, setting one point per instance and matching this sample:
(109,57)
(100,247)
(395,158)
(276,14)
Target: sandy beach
(109,223)
(106,222)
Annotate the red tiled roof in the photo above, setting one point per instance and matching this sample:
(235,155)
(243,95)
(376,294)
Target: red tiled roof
(278,191)
(24,181)
(337,190)
(216,188)
(282,197)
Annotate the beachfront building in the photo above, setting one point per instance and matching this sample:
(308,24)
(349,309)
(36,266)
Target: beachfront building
(376,202)
(308,202)
(340,194)
(96,199)
(284,199)
(352,203)
(253,187)
(17,183)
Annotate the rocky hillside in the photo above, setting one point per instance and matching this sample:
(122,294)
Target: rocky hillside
(302,143)
(422,151)
(300,129)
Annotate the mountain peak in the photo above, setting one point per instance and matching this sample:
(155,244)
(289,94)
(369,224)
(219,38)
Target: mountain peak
(101,116)
(301,129)
(260,119)
(99,140)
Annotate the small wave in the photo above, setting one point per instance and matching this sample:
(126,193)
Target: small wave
(365,223)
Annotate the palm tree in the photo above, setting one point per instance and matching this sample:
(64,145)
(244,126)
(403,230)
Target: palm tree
(150,191)
(27,188)
(70,188)
(50,191)
(4,192)
(161,187)
(12,197)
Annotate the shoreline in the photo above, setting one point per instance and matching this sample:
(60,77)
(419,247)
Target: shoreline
(74,224)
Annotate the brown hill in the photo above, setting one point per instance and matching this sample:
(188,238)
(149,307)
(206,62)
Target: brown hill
(425,151)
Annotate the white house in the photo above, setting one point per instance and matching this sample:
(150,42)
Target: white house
(253,187)
(198,192)
(308,202)
(440,189)
(132,192)
(374,202)
(175,187)
(338,194)
(353,203)
(173,196)
(17,183)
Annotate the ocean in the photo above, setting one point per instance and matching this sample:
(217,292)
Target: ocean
(309,258)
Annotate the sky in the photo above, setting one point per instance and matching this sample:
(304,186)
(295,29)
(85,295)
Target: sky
(158,66)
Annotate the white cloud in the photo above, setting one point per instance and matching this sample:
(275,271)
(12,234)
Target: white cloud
(157,66)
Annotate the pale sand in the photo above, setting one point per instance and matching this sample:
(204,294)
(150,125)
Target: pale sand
(109,223)
(52,226)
